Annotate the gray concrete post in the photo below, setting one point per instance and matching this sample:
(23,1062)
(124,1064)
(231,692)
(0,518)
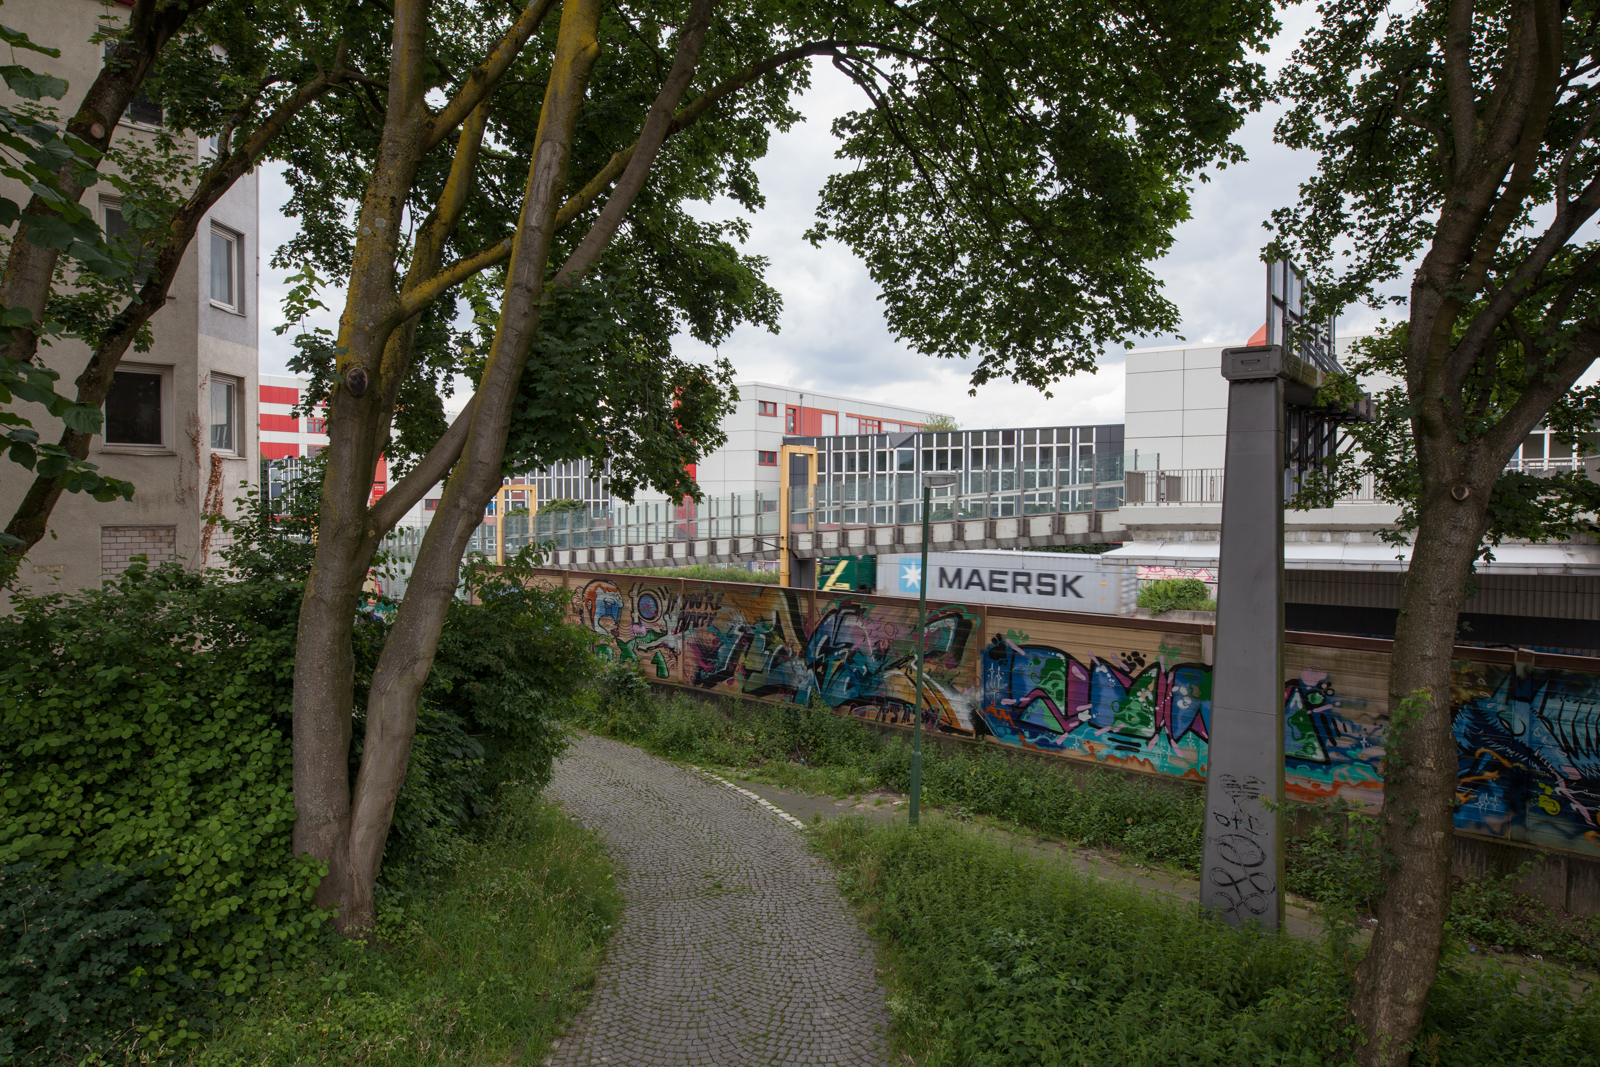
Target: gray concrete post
(1242,866)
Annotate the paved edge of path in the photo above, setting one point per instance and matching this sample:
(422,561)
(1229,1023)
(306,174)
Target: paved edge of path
(735,946)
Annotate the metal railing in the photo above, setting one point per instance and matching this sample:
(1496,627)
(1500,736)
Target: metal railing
(1203,485)
(739,515)
(896,499)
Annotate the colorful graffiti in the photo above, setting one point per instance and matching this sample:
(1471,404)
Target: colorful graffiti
(1528,754)
(1154,713)
(853,656)
(1528,739)
(644,625)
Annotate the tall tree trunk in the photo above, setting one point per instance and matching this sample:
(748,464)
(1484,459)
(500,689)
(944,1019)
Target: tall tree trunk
(408,653)
(1419,770)
(357,421)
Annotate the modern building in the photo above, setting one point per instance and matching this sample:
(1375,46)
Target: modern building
(1341,576)
(178,417)
(289,429)
(763,417)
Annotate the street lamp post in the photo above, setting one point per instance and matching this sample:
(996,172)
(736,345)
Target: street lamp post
(930,482)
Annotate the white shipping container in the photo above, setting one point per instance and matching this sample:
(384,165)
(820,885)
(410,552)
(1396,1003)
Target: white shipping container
(1053,581)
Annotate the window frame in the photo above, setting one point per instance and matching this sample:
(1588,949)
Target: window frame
(235,268)
(213,379)
(768,408)
(164,372)
(763,461)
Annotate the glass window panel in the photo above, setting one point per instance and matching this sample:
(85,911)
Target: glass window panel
(223,406)
(222,257)
(927,459)
(906,460)
(1533,447)
(133,409)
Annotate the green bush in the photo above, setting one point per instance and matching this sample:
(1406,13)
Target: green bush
(997,956)
(1176,594)
(706,572)
(507,670)
(81,957)
(146,727)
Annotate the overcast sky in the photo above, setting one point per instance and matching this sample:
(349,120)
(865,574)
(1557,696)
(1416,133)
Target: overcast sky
(833,337)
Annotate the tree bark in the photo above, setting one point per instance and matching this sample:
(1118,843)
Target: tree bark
(324,660)
(1419,779)
(30,269)
(408,653)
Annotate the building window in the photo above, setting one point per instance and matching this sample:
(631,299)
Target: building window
(767,459)
(767,407)
(316,424)
(431,504)
(871,426)
(225,269)
(133,409)
(224,414)
(141,109)
(791,420)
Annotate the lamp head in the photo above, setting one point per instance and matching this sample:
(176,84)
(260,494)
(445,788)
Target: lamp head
(941,480)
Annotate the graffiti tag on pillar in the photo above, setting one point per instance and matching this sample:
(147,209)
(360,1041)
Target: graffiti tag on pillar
(1242,883)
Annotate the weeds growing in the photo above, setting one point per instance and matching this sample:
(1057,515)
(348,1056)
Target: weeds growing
(1335,859)
(484,967)
(998,957)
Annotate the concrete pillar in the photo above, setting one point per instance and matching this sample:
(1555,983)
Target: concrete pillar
(1242,866)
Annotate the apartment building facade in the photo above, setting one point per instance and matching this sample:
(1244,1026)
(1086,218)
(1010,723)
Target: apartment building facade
(180,417)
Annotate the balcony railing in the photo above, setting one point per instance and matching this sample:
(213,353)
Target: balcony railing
(1203,486)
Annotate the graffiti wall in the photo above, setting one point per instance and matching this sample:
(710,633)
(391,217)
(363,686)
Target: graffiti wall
(851,653)
(1528,754)
(1528,738)
(1142,699)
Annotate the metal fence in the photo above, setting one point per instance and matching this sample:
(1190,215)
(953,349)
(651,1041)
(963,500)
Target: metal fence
(739,515)
(1204,486)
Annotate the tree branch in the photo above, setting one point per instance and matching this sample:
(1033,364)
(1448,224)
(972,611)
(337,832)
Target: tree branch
(462,269)
(32,514)
(1459,85)
(657,125)
(482,78)
(428,472)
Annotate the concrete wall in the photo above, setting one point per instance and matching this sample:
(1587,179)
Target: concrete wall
(1126,694)
(194,342)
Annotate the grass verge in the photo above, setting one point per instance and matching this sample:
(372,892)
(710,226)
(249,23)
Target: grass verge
(996,957)
(484,967)
(1335,861)
(706,572)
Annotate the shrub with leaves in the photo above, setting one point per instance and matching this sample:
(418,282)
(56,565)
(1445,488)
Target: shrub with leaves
(1176,594)
(146,727)
(81,957)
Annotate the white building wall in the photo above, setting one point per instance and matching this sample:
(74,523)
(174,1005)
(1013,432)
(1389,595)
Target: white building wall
(194,345)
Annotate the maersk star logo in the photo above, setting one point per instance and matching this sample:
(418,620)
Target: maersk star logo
(911,576)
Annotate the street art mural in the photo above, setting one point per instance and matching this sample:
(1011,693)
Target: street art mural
(1528,739)
(855,656)
(1152,711)
(1528,754)
(636,622)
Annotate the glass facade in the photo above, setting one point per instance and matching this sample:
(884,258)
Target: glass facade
(876,479)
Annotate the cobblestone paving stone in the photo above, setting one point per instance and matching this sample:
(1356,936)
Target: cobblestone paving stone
(735,947)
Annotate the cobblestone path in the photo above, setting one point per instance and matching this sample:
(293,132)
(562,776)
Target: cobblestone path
(736,947)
